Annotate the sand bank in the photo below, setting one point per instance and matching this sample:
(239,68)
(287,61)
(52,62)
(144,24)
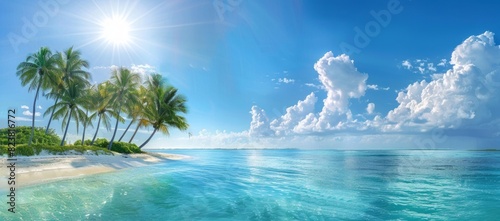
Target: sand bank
(46,168)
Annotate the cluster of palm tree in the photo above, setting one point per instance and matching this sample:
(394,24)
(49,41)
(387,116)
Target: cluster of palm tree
(147,102)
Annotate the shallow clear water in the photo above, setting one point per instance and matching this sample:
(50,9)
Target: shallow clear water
(280,185)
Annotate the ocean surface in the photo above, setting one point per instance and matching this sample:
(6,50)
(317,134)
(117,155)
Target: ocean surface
(280,185)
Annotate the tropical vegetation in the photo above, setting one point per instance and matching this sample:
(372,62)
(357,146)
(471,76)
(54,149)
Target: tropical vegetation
(147,101)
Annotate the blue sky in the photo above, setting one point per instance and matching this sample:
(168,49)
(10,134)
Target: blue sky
(313,74)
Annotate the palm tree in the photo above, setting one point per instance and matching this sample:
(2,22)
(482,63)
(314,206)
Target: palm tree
(69,107)
(142,122)
(55,92)
(123,83)
(38,72)
(70,65)
(134,110)
(87,104)
(100,97)
(164,109)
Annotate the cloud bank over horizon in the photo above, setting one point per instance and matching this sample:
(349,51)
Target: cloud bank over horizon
(459,102)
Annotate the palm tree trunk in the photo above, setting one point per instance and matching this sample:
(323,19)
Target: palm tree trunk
(132,121)
(34,111)
(97,130)
(145,142)
(67,125)
(133,135)
(50,118)
(116,128)
(84,127)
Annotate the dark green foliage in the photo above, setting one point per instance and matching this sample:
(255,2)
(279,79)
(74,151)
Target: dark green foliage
(50,142)
(101,142)
(23,134)
(122,147)
(79,142)
(35,149)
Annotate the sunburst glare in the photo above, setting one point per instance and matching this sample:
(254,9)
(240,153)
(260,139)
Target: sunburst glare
(116,30)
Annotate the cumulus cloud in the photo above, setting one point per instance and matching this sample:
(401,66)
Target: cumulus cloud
(370,108)
(287,123)
(463,97)
(342,81)
(461,101)
(29,113)
(259,126)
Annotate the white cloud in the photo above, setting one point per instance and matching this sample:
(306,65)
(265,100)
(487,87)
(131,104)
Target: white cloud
(442,62)
(24,119)
(317,86)
(286,80)
(29,113)
(287,123)
(430,67)
(342,81)
(25,107)
(465,96)
(39,107)
(459,101)
(407,64)
(370,108)
(112,67)
(376,88)
(259,126)
(143,69)
(423,66)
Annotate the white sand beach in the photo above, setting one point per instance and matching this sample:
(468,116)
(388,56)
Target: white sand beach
(46,167)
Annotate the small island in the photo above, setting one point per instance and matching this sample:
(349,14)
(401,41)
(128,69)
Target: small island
(146,101)
(47,161)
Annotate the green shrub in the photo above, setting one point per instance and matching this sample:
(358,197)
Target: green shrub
(122,147)
(101,142)
(36,149)
(23,134)
(24,150)
(4,150)
(79,142)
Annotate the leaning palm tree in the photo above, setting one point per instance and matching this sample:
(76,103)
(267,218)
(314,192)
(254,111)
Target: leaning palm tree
(123,83)
(87,104)
(70,107)
(70,64)
(141,122)
(54,93)
(134,110)
(39,72)
(140,118)
(100,97)
(164,109)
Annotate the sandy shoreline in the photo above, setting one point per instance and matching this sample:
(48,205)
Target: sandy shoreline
(47,168)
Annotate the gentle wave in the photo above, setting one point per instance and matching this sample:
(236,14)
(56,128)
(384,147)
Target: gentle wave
(280,185)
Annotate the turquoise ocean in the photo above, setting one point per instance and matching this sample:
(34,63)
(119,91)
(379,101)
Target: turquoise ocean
(279,185)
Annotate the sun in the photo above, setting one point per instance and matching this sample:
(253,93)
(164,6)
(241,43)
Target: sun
(116,31)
